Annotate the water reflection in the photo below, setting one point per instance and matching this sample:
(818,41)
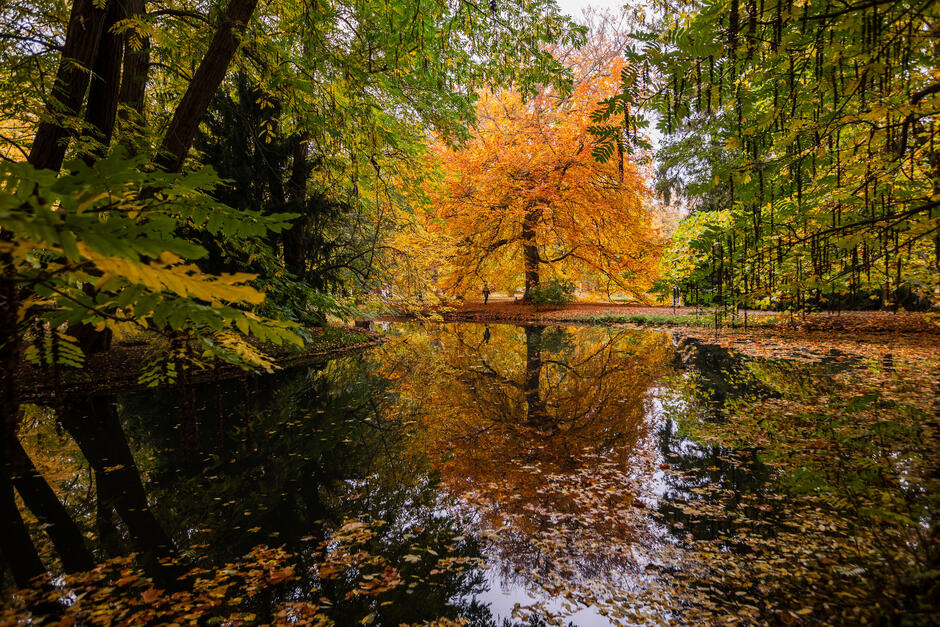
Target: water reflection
(500,474)
(547,434)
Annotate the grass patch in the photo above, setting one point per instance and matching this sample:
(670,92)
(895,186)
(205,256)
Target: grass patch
(699,319)
(330,338)
(695,320)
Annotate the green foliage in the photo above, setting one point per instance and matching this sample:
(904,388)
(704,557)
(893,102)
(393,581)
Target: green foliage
(811,131)
(98,246)
(554,291)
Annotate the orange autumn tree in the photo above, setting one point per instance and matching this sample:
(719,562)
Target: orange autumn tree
(523,199)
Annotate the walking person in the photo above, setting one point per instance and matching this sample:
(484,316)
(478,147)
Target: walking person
(486,292)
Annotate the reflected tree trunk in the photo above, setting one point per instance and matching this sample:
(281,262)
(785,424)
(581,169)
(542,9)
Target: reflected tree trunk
(45,505)
(537,413)
(16,547)
(109,538)
(93,423)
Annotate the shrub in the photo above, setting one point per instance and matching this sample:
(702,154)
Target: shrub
(555,291)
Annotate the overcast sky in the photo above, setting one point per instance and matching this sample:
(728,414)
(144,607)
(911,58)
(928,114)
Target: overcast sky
(575,7)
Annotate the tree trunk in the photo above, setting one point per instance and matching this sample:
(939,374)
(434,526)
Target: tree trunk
(86,24)
(294,258)
(17,547)
(136,67)
(9,356)
(179,136)
(530,250)
(101,109)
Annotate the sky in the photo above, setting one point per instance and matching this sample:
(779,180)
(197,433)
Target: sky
(575,7)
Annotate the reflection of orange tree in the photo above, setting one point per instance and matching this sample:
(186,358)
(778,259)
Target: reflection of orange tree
(542,431)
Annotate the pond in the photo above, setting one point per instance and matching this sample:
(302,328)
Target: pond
(504,475)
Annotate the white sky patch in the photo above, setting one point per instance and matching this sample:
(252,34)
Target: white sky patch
(575,8)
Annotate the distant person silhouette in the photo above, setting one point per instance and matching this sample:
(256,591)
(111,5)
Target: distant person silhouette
(486,334)
(486,293)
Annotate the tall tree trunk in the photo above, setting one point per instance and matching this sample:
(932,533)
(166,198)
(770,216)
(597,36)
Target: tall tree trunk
(100,114)
(179,136)
(15,544)
(86,25)
(101,109)
(9,356)
(136,67)
(294,258)
(530,250)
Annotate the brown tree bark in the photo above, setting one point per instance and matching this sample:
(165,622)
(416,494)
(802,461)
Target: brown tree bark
(86,25)
(179,136)
(530,250)
(100,115)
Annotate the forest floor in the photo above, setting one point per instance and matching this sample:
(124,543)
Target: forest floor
(120,367)
(508,310)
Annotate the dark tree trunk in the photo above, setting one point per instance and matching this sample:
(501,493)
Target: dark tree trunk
(100,115)
(530,250)
(179,136)
(136,66)
(52,515)
(101,109)
(15,543)
(294,258)
(86,24)
(9,356)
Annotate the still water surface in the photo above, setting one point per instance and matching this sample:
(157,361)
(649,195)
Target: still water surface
(500,474)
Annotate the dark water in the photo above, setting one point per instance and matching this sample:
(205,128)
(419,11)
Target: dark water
(498,474)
